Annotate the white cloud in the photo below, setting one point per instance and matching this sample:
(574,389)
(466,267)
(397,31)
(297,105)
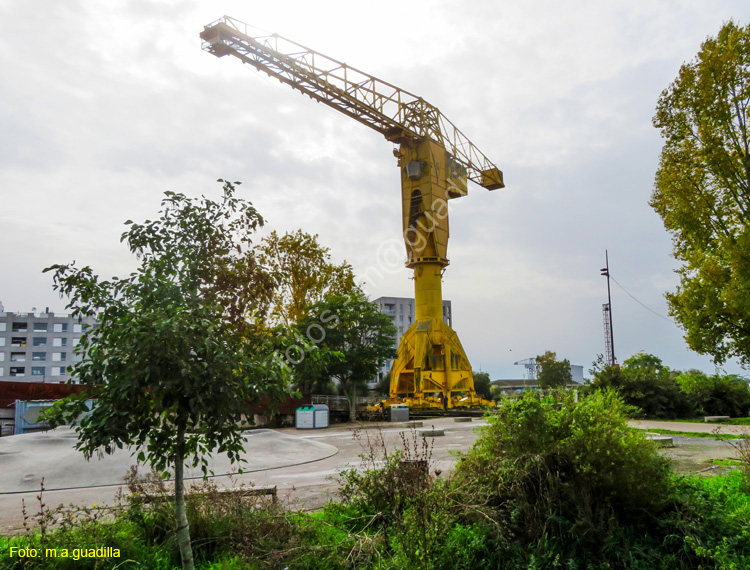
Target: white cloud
(103,106)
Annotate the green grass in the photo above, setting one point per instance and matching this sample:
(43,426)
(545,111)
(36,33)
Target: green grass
(692,433)
(730,422)
(728,462)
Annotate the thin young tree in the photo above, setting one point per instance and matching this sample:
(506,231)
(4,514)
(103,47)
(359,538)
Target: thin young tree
(175,357)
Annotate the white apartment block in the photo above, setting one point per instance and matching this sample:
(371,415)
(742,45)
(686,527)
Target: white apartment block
(401,311)
(38,347)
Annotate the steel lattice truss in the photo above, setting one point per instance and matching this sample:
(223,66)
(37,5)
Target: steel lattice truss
(399,115)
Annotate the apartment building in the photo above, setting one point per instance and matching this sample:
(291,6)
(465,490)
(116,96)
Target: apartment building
(38,347)
(401,310)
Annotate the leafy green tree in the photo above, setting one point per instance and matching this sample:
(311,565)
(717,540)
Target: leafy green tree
(644,382)
(482,385)
(553,373)
(702,193)
(716,395)
(306,274)
(354,328)
(175,358)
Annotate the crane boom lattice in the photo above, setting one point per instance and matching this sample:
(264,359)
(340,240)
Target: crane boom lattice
(394,112)
(608,352)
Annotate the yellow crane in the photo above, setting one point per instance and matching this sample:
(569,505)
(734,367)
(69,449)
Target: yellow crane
(435,160)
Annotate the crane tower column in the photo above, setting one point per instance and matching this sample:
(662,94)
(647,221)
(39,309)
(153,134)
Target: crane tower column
(431,363)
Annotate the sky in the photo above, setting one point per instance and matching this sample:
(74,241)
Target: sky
(106,105)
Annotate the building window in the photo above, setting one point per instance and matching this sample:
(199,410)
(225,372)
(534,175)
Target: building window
(59,342)
(19,341)
(60,327)
(40,327)
(20,327)
(40,341)
(2,327)
(17,370)
(59,356)
(2,341)
(2,357)
(77,328)
(38,356)
(18,357)
(37,370)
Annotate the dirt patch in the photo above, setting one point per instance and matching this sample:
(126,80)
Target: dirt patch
(695,455)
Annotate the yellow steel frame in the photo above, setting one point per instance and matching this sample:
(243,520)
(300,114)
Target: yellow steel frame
(436,160)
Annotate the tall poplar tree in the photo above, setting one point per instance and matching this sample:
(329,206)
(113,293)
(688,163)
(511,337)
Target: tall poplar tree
(702,193)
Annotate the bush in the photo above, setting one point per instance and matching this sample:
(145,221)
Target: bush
(717,395)
(564,477)
(644,382)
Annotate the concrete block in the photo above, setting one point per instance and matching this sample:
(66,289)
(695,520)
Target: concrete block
(431,432)
(662,440)
(414,424)
(461,420)
(710,419)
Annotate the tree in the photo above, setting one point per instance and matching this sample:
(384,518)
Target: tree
(643,381)
(717,395)
(702,193)
(482,385)
(306,274)
(359,332)
(553,373)
(175,358)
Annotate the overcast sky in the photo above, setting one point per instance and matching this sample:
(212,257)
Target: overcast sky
(105,105)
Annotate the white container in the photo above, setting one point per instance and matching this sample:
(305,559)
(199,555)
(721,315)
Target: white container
(314,416)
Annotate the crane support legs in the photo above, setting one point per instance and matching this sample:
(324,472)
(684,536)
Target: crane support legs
(431,364)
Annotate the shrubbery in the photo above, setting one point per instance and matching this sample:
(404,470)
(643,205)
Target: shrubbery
(658,392)
(644,382)
(551,483)
(563,478)
(716,395)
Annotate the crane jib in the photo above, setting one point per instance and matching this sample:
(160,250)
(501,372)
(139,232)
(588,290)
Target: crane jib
(400,116)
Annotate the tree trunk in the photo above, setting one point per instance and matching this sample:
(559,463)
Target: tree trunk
(353,404)
(183,530)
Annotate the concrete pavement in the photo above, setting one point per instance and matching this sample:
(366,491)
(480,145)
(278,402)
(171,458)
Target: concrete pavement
(302,464)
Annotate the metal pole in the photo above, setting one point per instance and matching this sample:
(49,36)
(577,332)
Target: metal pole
(605,271)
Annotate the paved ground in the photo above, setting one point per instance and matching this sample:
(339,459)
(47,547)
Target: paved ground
(302,464)
(691,427)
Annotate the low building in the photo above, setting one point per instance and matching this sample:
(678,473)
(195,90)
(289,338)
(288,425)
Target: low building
(38,347)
